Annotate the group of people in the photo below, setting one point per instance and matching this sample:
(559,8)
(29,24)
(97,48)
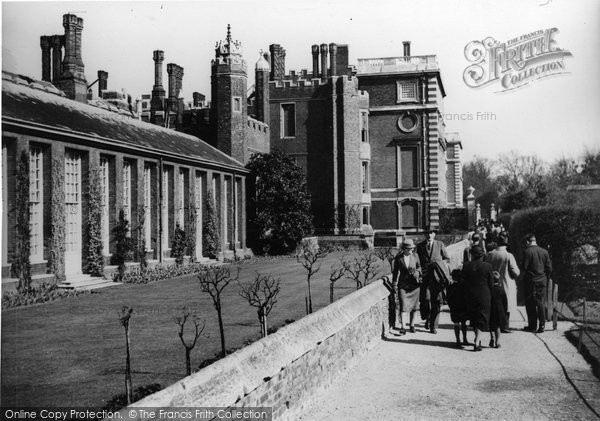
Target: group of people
(483,292)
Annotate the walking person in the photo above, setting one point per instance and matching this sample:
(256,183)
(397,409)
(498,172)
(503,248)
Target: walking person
(432,255)
(536,267)
(458,307)
(478,279)
(406,280)
(505,264)
(497,311)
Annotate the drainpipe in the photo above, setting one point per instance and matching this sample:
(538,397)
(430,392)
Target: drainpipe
(425,119)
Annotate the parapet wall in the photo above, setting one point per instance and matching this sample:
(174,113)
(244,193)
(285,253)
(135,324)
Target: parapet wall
(284,369)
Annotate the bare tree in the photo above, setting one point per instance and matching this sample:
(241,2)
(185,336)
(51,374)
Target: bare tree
(362,269)
(386,254)
(181,320)
(262,294)
(310,258)
(337,272)
(124,319)
(213,280)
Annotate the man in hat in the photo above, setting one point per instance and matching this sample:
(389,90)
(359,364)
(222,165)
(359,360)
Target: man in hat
(536,267)
(406,280)
(432,254)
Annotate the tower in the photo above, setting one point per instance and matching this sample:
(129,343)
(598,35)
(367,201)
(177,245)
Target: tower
(228,92)
(72,77)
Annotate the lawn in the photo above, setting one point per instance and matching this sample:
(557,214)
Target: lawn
(71,352)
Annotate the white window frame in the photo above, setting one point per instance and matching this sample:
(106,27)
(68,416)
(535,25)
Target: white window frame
(407,91)
(165,209)
(181,204)
(105,204)
(36,203)
(198,206)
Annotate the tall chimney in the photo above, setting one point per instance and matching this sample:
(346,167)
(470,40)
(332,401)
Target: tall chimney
(57,42)
(261,100)
(102,82)
(323,60)
(157,102)
(332,59)
(406,48)
(198,99)
(46,64)
(277,61)
(315,55)
(171,71)
(72,79)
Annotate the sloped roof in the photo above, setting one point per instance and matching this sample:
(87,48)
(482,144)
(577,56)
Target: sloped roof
(24,103)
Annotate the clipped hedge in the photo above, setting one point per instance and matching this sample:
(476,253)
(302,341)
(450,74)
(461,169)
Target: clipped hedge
(562,230)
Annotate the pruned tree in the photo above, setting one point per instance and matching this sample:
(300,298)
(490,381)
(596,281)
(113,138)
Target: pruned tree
(181,321)
(124,318)
(362,268)
(213,280)
(337,272)
(386,254)
(262,294)
(310,259)
(178,244)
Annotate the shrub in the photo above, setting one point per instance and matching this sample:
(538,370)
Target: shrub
(95,260)
(125,246)
(178,245)
(21,265)
(138,275)
(37,294)
(210,229)
(561,230)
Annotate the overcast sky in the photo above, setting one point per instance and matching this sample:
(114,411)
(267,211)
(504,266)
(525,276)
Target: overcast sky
(552,116)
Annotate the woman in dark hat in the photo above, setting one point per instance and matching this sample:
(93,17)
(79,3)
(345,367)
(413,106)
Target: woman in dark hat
(406,278)
(478,280)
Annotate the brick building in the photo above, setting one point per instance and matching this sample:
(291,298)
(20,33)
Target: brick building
(157,176)
(369,137)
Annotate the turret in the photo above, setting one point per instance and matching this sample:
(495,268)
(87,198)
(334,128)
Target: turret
(261,103)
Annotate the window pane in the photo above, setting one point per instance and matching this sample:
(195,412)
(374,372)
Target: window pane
(409,167)
(288,123)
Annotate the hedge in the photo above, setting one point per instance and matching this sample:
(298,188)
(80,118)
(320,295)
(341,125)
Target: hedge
(562,231)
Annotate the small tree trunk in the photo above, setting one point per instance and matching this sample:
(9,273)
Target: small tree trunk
(128,388)
(188,365)
(331,292)
(309,299)
(221,330)
(306,304)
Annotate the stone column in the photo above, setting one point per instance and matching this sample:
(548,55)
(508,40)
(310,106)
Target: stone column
(471,221)
(478,213)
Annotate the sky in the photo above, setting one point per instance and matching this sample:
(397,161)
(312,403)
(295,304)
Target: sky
(551,117)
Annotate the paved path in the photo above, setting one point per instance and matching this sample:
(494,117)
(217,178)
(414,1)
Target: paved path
(424,376)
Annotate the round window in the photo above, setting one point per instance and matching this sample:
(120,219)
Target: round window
(408,122)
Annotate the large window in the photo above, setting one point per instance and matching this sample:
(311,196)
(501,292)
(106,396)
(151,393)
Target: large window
(410,214)
(147,206)
(409,166)
(36,202)
(127,194)
(181,201)
(407,91)
(288,120)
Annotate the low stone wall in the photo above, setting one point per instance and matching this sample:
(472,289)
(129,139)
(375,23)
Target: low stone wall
(283,370)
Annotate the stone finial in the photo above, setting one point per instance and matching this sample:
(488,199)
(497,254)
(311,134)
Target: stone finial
(471,189)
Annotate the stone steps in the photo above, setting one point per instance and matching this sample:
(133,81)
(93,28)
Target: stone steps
(86,282)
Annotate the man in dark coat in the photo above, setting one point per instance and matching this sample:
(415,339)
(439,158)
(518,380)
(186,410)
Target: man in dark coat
(536,268)
(432,255)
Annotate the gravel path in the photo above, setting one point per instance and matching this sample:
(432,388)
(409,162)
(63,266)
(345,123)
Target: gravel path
(424,376)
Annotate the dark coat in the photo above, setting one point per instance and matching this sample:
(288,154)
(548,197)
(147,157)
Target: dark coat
(435,271)
(536,264)
(478,280)
(407,278)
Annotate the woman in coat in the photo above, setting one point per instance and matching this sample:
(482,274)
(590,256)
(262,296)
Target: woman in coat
(478,280)
(406,280)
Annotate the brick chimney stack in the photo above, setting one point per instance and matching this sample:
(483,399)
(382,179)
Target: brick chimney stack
(157,102)
(406,45)
(315,62)
(72,77)
(46,57)
(323,61)
(277,61)
(332,59)
(57,41)
(102,82)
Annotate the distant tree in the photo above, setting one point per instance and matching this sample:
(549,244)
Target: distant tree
(181,321)
(124,318)
(337,272)
(261,293)
(280,204)
(479,173)
(310,258)
(362,268)
(521,181)
(213,280)
(386,254)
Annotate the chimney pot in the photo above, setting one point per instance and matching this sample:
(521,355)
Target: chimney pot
(406,45)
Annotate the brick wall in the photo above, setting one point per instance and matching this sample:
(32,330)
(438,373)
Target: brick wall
(285,369)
